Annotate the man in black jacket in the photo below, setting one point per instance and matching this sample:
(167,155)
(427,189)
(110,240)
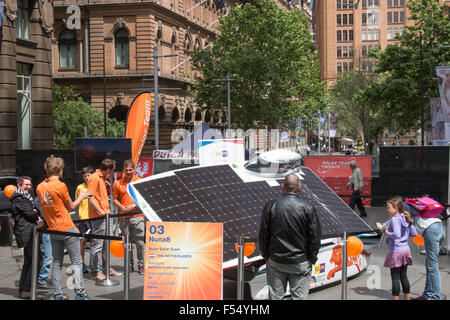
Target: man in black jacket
(289,241)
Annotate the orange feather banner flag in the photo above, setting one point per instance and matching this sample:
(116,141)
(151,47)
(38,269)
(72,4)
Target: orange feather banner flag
(138,123)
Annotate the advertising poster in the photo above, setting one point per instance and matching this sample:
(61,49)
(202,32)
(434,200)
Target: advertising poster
(444,91)
(221,151)
(183,261)
(335,172)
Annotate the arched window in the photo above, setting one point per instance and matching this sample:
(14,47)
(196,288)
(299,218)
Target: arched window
(175,115)
(161,113)
(187,115)
(67,49)
(198,115)
(122,43)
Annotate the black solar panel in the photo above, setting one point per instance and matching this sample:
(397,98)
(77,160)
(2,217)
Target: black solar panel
(218,194)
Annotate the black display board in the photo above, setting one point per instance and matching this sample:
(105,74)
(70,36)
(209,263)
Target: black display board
(412,171)
(91,151)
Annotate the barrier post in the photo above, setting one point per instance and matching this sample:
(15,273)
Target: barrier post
(126,267)
(107,282)
(34,262)
(344,268)
(240,275)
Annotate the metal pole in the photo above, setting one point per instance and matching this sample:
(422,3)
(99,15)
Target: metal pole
(240,276)
(155,91)
(107,282)
(329,134)
(422,120)
(34,262)
(126,279)
(104,92)
(318,135)
(229,100)
(344,268)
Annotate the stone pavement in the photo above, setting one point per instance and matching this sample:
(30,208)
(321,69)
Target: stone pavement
(372,284)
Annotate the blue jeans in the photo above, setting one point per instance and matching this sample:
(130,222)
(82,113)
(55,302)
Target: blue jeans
(46,251)
(73,248)
(433,236)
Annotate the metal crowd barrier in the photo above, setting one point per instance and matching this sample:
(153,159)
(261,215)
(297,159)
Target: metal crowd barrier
(107,237)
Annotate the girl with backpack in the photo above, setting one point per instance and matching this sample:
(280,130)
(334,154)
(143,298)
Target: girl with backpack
(399,256)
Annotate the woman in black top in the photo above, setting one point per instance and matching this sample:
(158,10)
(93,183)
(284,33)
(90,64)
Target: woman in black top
(26,216)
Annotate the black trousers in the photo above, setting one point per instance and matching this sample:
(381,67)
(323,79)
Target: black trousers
(399,275)
(356,199)
(25,275)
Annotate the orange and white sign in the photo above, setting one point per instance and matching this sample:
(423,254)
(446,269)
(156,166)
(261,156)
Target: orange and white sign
(138,123)
(183,261)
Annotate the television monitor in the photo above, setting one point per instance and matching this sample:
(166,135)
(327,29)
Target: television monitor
(91,151)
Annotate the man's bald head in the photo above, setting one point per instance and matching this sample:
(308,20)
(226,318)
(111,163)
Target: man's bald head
(292,183)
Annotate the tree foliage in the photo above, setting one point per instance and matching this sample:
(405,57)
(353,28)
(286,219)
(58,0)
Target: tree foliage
(269,48)
(397,92)
(71,114)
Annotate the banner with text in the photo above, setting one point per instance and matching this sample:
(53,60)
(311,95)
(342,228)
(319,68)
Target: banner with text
(335,172)
(183,261)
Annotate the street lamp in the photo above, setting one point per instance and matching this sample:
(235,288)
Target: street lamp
(228,80)
(155,89)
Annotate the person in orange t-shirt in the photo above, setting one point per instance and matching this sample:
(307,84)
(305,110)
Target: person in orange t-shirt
(132,225)
(99,206)
(55,202)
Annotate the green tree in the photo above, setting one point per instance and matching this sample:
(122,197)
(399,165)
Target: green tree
(71,114)
(398,89)
(270,49)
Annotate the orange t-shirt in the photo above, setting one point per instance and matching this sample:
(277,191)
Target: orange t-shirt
(97,185)
(52,194)
(120,193)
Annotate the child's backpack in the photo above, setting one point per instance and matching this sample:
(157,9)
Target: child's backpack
(427,207)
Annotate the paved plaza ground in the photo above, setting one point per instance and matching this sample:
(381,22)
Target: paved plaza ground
(372,284)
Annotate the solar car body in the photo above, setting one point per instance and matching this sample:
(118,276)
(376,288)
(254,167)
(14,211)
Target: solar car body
(235,194)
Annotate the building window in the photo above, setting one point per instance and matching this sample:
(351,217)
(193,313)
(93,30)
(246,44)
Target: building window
(350,18)
(350,35)
(344,52)
(344,35)
(344,19)
(344,5)
(122,45)
(389,34)
(67,45)
(364,18)
(396,16)
(345,64)
(339,67)
(338,19)
(24,105)
(402,16)
(23,19)
(370,34)
(376,35)
(389,3)
(350,51)
(364,51)
(364,4)
(389,17)
(364,34)
(338,35)
(339,52)
(338,4)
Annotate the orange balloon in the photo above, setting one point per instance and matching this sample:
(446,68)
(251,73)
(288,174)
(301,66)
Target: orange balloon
(9,190)
(116,248)
(418,240)
(354,246)
(249,248)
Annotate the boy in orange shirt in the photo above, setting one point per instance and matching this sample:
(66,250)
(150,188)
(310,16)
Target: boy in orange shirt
(132,225)
(99,206)
(55,202)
